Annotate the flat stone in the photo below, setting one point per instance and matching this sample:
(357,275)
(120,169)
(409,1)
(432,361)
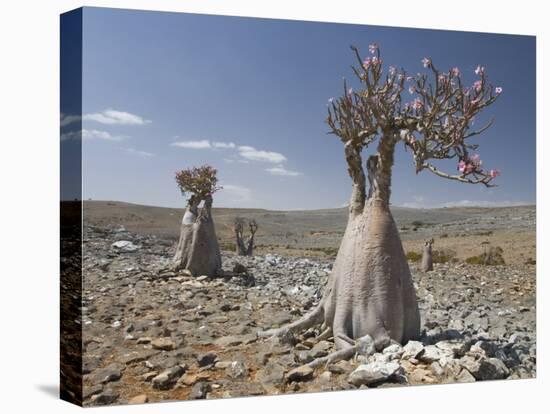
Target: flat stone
(124,246)
(167,378)
(229,341)
(271,376)
(302,373)
(137,356)
(199,391)
(431,353)
(465,376)
(207,358)
(110,373)
(374,372)
(93,390)
(138,399)
(164,344)
(106,397)
(483,368)
(413,349)
(320,349)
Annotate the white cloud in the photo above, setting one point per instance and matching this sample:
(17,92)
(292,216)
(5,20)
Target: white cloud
(245,152)
(236,193)
(202,144)
(107,117)
(281,170)
(251,153)
(139,153)
(464,203)
(223,145)
(112,117)
(87,134)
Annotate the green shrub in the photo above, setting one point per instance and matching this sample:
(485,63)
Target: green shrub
(492,257)
(413,256)
(443,256)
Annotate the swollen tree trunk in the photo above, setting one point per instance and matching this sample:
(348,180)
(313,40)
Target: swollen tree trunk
(198,250)
(427,260)
(370,290)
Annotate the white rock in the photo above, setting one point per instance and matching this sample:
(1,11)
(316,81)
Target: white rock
(124,246)
(412,349)
(374,372)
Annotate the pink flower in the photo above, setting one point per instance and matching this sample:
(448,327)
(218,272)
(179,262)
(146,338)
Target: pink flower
(409,78)
(411,89)
(461,166)
(494,173)
(412,139)
(426,62)
(376,60)
(391,70)
(477,85)
(455,71)
(373,47)
(442,78)
(479,70)
(367,62)
(350,91)
(417,104)
(498,90)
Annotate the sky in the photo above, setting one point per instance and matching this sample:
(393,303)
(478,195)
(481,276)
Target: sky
(166,91)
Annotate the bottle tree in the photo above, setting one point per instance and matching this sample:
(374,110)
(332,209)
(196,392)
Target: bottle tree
(370,293)
(198,250)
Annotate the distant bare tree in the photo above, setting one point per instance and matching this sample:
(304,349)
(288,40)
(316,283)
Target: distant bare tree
(427,259)
(253,227)
(243,249)
(238,228)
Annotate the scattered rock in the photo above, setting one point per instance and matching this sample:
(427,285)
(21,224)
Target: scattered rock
(237,369)
(206,359)
(483,368)
(199,391)
(125,246)
(110,373)
(167,378)
(302,373)
(139,399)
(164,344)
(373,373)
(413,349)
(106,397)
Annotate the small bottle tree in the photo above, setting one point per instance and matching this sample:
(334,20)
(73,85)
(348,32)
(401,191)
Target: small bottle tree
(198,250)
(370,293)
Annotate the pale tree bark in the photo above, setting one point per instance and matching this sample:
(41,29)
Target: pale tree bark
(427,259)
(238,228)
(198,250)
(253,227)
(370,292)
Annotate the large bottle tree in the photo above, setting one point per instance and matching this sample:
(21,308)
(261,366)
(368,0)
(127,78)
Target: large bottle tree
(198,250)
(370,293)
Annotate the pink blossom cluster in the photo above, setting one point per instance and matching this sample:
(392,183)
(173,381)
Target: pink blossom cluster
(470,164)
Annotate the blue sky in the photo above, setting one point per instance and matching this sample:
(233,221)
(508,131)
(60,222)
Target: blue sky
(165,91)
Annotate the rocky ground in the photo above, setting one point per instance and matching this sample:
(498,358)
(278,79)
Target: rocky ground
(151,335)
